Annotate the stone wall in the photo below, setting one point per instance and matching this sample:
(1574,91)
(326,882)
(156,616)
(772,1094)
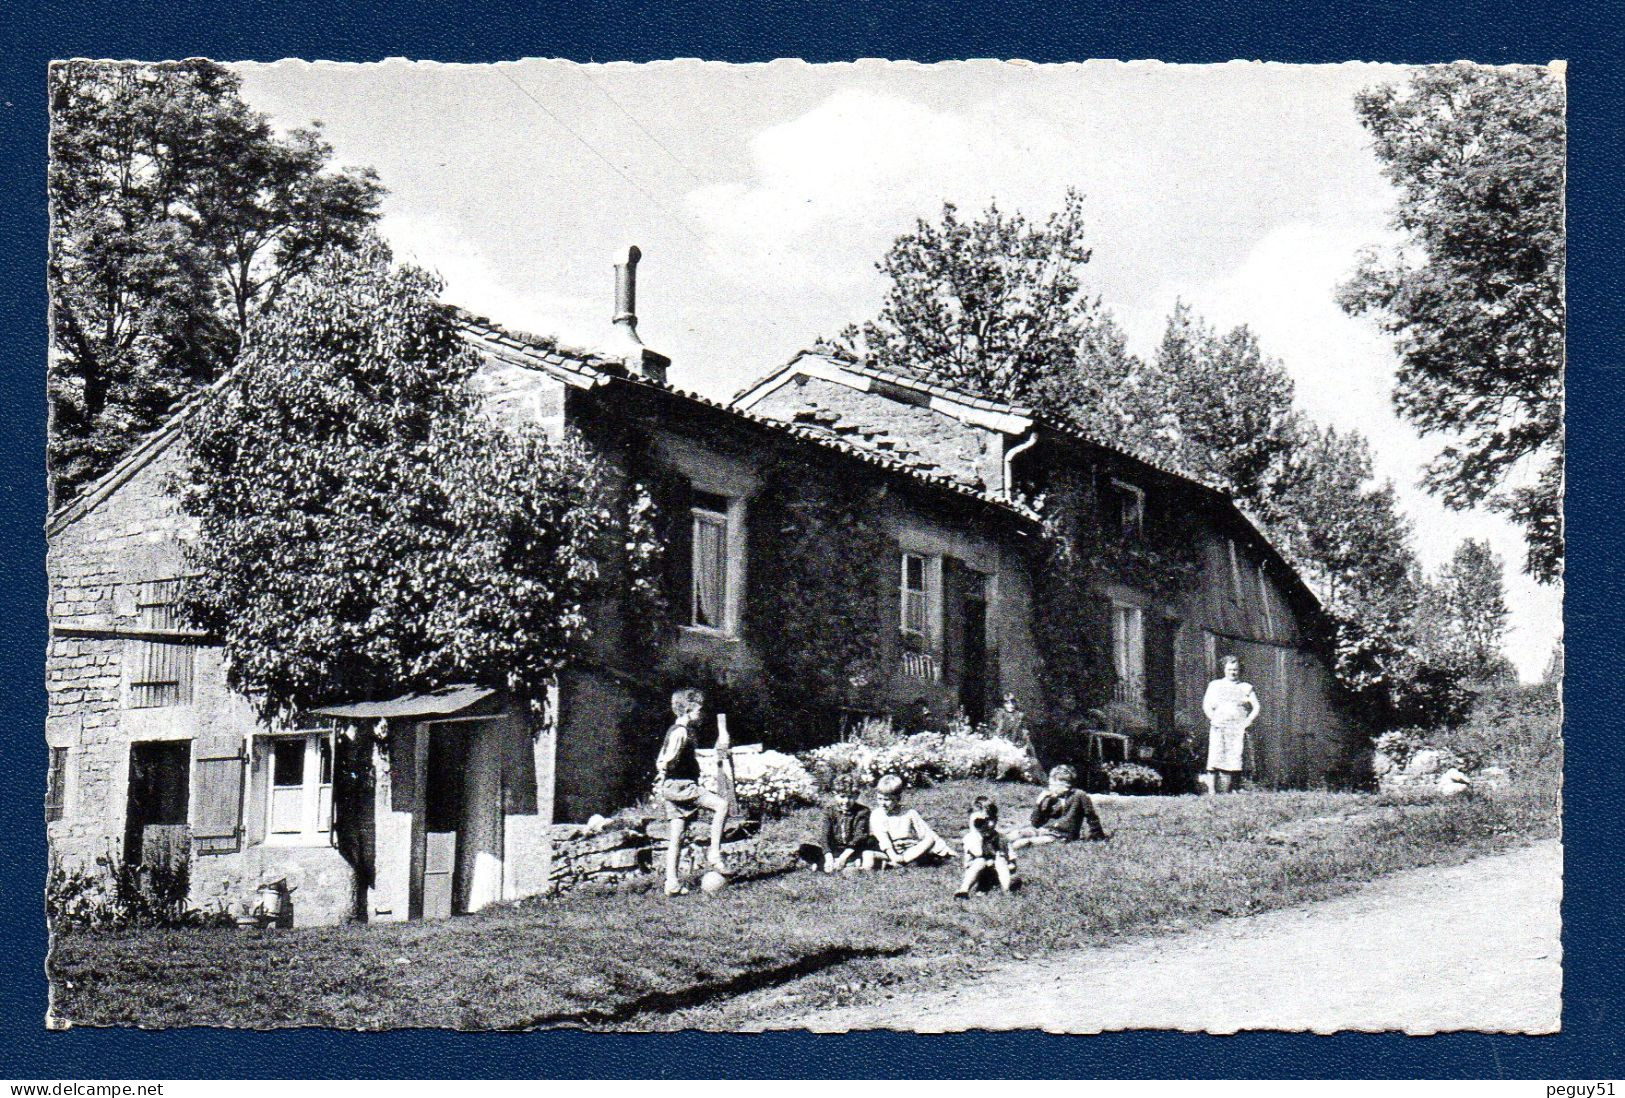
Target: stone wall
(609,853)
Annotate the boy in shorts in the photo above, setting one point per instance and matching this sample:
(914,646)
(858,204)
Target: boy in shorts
(677,780)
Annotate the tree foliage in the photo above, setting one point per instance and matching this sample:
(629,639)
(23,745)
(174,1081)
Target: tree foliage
(822,558)
(1465,613)
(363,528)
(993,305)
(1226,409)
(1474,296)
(176,213)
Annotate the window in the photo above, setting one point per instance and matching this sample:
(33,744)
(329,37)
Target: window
(918,609)
(56,785)
(710,587)
(1128,653)
(300,799)
(160,672)
(1128,503)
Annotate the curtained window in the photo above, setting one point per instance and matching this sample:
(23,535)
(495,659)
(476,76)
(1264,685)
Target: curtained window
(709,603)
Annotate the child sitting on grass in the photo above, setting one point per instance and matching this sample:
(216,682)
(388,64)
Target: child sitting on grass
(1060,813)
(844,835)
(901,838)
(985,850)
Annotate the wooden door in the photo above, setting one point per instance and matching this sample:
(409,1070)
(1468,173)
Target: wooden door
(439,874)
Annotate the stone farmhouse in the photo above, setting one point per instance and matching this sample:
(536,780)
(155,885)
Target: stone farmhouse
(419,806)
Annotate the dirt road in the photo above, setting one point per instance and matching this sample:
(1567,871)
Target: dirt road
(1466,947)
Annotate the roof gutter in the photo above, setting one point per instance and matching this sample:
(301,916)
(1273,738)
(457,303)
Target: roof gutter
(1010,460)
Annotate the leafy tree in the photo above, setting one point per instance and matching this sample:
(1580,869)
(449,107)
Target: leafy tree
(1467,613)
(1226,409)
(994,305)
(363,528)
(176,213)
(1474,296)
(1353,547)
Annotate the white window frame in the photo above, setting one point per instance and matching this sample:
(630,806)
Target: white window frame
(929,597)
(1131,523)
(314,796)
(1128,653)
(732,524)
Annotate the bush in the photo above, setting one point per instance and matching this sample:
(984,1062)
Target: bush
(921,759)
(120,895)
(1518,727)
(1127,777)
(782,785)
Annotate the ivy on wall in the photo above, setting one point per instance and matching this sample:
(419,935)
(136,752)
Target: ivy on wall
(821,569)
(1080,548)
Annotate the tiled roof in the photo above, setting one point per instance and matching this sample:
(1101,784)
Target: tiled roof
(971,400)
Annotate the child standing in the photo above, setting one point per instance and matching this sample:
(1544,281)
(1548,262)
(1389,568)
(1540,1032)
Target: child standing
(677,779)
(985,849)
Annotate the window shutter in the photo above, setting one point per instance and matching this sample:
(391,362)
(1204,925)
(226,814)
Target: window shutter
(953,616)
(217,778)
(679,523)
(1104,638)
(258,782)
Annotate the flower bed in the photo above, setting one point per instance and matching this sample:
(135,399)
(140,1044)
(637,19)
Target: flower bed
(921,759)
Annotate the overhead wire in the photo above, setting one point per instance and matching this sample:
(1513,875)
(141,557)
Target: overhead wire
(676,218)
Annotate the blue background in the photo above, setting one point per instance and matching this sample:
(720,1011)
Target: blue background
(1188,30)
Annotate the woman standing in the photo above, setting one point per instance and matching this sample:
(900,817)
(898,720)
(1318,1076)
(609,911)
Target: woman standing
(1231,707)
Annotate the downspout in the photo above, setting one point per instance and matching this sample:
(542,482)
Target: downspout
(1009,464)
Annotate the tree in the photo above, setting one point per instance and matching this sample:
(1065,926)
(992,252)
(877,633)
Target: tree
(1351,544)
(1467,612)
(176,213)
(1226,408)
(362,528)
(994,306)
(1474,296)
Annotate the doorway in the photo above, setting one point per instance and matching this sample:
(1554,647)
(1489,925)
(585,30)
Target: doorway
(444,798)
(973,669)
(156,810)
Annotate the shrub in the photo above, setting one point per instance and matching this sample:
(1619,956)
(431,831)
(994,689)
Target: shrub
(1400,744)
(1127,777)
(1518,727)
(783,784)
(120,895)
(920,759)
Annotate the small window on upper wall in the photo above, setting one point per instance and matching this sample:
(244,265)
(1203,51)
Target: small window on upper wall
(1128,502)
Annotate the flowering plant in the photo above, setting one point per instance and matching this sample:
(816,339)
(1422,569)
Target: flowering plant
(1127,777)
(779,783)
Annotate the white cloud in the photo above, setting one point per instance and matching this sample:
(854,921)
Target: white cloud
(830,189)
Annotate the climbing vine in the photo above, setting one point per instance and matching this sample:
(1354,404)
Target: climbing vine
(1079,548)
(817,560)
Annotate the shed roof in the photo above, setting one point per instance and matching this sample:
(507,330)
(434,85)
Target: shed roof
(448,701)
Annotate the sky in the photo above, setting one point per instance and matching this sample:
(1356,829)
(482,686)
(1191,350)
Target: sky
(761,197)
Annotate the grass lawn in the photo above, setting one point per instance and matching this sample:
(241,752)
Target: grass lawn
(635,959)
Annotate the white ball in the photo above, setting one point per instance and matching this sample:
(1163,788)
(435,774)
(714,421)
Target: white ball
(713,882)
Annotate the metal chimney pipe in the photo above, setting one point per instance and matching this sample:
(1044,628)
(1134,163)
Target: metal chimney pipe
(626,295)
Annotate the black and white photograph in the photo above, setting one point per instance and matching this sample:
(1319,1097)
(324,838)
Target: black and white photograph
(818,547)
